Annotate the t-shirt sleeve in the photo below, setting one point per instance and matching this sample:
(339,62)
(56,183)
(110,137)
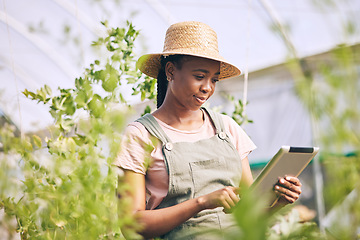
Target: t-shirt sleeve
(242,142)
(135,149)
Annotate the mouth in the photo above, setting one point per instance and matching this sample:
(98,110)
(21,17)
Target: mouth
(201,100)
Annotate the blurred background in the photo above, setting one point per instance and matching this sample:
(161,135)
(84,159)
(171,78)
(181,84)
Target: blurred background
(49,42)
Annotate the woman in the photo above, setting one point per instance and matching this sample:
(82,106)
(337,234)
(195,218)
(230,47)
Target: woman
(200,158)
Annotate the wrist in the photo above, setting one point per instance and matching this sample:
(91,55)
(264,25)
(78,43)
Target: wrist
(200,201)
(276,206)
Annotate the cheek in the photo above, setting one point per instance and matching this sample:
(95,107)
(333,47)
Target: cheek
(213,89)
(188,86)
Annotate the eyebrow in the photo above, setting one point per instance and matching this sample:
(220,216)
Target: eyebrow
(204,71)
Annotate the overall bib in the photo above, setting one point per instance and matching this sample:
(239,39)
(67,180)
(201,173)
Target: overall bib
(196,169)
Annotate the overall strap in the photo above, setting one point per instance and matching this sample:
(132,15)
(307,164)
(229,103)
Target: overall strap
(153,127)
(216,119)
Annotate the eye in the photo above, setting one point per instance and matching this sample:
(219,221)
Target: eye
(199,77)
(215,80)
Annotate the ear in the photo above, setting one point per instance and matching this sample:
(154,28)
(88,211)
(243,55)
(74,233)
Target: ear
(169,70)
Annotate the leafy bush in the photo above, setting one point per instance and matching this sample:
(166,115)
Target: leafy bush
(64,187)
(329,88)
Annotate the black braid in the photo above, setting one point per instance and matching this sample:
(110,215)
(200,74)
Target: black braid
(162,82)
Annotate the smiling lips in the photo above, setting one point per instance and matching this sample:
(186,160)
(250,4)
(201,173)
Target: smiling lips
(201,100)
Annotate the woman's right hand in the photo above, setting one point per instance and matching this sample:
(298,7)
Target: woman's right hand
(157,222)
(226,197)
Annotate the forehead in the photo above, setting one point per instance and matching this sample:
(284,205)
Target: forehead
(193,63)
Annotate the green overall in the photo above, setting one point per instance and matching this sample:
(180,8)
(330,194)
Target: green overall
(196,169)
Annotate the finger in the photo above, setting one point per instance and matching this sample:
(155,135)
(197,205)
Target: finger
(295,189)
(225,204)
(288,199)
(289,185)
(229,197)
(227,211)
(224,198)
(293,180)
(286,192)
(230,201)
(233,195)
(236,190)
(284,198)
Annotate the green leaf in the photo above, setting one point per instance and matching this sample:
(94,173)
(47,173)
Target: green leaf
(143,95)
(37,141)
(100,75)
(110,83)
(27,146)
(122,99)
(33,95)
(111,80)
(70,144)
(96,106)
(147,110)
(47,90)
(79,83)
(105,23)
(26,92)
(69,106)
(81,99)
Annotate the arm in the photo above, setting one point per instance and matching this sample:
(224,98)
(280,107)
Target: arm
(160,221)
(246,177)
(288,189)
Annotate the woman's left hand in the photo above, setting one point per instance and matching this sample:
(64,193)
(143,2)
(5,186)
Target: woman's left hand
(288,189)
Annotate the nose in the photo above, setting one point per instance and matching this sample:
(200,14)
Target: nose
(206,85)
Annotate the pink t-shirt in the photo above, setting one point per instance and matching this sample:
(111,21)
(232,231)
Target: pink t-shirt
(134,157)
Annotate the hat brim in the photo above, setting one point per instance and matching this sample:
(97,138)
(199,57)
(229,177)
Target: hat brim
(150,64)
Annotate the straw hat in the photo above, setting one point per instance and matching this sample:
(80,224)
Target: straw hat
(188,38)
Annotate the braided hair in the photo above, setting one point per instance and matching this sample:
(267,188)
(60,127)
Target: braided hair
(162,82)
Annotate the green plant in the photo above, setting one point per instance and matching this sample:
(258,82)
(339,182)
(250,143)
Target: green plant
(330,91)
(238,114)
(64,187)
(329,88)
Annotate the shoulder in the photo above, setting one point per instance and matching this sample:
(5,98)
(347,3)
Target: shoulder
(135,131)
(133,149)
(227,120)
(230,125)
(134,128)
(238,136)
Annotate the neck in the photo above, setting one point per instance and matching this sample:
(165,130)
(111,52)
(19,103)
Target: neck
(180,117)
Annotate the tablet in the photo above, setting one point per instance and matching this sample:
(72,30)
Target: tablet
(289,161)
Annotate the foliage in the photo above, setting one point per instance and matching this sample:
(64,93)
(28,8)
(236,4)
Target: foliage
(256,221)
(238,114)
(249,215)
(291,226)
(64,187)
(330,90)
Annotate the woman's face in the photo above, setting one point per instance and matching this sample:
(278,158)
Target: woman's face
(193,83)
